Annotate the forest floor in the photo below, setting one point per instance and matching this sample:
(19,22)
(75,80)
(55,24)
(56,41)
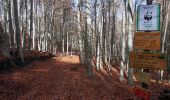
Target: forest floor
(60,78)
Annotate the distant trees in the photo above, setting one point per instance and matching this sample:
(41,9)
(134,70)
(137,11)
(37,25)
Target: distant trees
(97,31)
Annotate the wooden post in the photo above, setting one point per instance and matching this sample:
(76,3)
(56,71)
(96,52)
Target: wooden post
(145,86)
(168,69)
(149,2)
(147,67)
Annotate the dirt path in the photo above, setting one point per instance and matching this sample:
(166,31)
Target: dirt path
(58,79)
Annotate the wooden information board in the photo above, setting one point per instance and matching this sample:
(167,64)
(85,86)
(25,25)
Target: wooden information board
(147,40)
(143,77)
(147,60)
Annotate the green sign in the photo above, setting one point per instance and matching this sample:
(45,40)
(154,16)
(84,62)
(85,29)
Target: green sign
(148,18)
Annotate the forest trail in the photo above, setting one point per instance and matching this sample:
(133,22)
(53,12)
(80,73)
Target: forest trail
(58,79)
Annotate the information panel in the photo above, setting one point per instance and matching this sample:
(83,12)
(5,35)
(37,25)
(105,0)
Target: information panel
(148,60)
(148,18)
(143,77)
(147,40)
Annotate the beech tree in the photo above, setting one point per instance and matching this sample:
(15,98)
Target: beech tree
(18,33)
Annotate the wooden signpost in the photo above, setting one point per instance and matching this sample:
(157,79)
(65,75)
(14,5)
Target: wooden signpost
(143,77)
(147,60)
(168,59)
(147,40)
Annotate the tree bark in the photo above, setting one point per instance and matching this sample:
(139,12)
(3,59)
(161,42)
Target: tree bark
(18,34)
(112,32)
(165,29)
(25,32)
(82,55)
(31,26)
(11,31)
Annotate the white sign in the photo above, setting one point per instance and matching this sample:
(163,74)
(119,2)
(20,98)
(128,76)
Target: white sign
(148,18)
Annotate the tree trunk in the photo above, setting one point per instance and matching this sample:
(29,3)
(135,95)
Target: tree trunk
(130,70)
(97,38)
(149,2)
(67,43)
(11,31)
(63,31)
(82,55)
(36,27)
(5,15)
(25,32)
(87,47)
(31,26)
(165,29)
(18,34)
(104,21)
(122,49)
(112,33)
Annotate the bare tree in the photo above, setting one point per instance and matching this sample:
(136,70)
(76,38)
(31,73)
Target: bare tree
(18,34)
(11,31)
(31,26)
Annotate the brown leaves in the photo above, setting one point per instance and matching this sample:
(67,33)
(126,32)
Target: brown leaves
(63,79)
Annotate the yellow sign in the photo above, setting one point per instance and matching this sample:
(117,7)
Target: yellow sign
(143,77)
(147,40)
(147,60)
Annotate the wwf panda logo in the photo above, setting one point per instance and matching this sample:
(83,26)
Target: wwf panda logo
(148,16)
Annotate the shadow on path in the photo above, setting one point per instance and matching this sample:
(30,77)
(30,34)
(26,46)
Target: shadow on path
(58,79)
